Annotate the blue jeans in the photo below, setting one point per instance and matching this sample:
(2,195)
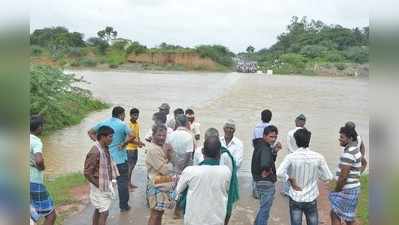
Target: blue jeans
(266,191)
(307,208)
(123,185)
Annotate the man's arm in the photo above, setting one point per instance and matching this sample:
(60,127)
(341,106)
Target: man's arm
(324,172)
(343,177)
(364,161)
(283,168)
(239,154)
(39,161)
(92,134)
(183,181)
(90,166)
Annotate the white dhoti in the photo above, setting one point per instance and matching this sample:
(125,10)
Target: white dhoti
(100,200)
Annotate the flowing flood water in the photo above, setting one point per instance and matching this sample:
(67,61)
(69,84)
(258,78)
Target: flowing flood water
(327,103)
(215,97)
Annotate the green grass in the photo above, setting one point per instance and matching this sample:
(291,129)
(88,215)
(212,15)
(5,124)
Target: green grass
(363,207)
(59,189)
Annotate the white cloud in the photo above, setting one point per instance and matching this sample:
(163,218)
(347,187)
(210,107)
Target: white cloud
(234,23)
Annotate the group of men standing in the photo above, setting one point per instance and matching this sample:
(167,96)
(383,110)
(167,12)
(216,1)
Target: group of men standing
(199,179)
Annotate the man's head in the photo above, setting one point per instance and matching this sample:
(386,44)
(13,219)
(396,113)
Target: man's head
(36,124)
(159,132)
(190,115)
(266,116)
(165,108)
(118,112)
(302,138)
(300,120)
(181,121)
(212,147)
(178,111)
(159,117)
(105,134)
(270,134)
(347,135)
(350,124)
(229,128)
(134,114)
(211,132)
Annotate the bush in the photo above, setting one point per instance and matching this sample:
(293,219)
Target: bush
(57,98)
(74,52)
(36,50)
(334,56)
(340,66)
(313,51)
(357,54)
(292,63)
(217,53)
(74,63)
(136,48)
(88,62)
(115,58)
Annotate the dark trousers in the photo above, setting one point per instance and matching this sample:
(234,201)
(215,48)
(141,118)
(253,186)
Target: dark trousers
(297,209)
(123,185)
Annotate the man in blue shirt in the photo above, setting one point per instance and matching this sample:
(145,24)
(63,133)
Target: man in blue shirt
(118,152)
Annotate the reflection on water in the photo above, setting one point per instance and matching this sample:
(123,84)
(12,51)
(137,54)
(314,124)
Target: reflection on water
(215,97)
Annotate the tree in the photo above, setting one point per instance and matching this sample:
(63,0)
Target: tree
(100,44)
(107,34)
(250,49)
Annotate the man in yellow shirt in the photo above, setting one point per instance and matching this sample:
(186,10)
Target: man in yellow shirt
(134,144)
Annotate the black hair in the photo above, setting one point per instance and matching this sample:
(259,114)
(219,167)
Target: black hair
(158,127)
(36,121)
(349,132)
(302,137)
(181,120)
(104,131)
(189,111)
(134,110)
(117,110)
(212,147)
(178,111)
(266,116)
(270,129)
(160,116)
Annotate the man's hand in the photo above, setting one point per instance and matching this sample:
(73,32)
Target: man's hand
(141,144)
(294,184)
(278,146)
(168,149)
(266,173)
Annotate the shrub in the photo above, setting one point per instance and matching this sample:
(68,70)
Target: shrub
(313,51)
(36,50)
(357,54)
(115,58)
(292,63)
(136,48)
(334,56)
(340,66)
(88,62)
(57,98)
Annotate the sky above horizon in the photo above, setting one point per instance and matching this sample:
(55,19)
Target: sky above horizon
(235,24)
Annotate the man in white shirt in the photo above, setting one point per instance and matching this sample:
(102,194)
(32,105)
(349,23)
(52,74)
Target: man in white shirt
(305,168)
(207,187)
(194,127)
(182,143)
(232,143)
(300,121)
(266,116)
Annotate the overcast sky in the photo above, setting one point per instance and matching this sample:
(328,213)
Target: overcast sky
(233,23)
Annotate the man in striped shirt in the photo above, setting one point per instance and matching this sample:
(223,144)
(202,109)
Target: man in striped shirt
(306,167)
(345,197)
